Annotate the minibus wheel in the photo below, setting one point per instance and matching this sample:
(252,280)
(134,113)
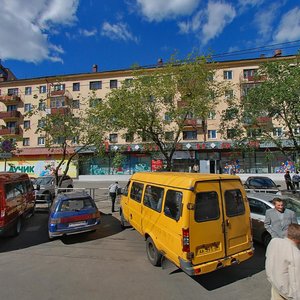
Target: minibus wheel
(18,226)
(153,255)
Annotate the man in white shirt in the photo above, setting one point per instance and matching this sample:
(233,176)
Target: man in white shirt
(113,189)
(283,265)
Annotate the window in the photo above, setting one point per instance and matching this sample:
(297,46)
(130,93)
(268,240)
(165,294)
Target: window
(56,102)
(41,141)
(75,140)
(167,117)
(277,131)
(25,141)
(59,87)
(94,102)
(249,73)
(227,75)
(234,203)
(153,197)
(95,85)
(254,132)
(11,107)
(26,124)
(42,89)
(13,91)
(169,135)
(59,140)
(42,106)
(173,205)
(76,86)
(28,90)
(27,107)
(129,137)
(229,94)
(211,115)
(113,137)
(206,207)
(257,207)
(41,123)
(136,191)
(231,133)
(190,135)
(212,134)
(76,104)
(113,84)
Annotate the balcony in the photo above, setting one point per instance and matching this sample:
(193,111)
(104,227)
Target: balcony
(193,123)
(10,115)
(10,99)
(57,93)
(11,131)
(61,110)
(259,121)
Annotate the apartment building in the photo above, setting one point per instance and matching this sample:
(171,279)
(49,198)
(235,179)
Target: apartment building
(203,146)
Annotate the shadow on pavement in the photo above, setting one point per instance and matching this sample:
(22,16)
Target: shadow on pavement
(35,232)
(223,277)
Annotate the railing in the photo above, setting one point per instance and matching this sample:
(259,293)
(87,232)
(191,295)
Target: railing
(9,98)
(11,131)
(9,114)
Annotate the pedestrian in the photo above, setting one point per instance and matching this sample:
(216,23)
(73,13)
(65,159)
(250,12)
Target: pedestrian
(296,180)
(283,265)
(278,219)
(113,190)
(288,180)
(195,168)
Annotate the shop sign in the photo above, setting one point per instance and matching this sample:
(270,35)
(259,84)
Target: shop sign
(225,145)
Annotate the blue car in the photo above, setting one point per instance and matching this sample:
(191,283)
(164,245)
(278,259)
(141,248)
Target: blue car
(73,213)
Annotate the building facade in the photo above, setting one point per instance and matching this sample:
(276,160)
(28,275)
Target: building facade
(209,150)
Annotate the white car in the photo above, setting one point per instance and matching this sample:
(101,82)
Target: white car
(259,203)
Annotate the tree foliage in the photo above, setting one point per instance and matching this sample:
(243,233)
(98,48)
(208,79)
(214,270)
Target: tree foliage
(160,100)
(70,130)
(273,101)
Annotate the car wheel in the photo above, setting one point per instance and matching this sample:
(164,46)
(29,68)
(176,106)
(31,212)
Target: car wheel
(17,227)
(266,239)
(153,255)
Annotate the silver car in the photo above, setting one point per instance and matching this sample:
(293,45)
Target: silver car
(46,188)
(259,203)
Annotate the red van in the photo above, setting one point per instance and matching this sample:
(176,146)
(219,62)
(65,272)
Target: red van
(17,202)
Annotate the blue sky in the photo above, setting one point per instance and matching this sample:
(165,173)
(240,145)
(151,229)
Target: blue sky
(56,37)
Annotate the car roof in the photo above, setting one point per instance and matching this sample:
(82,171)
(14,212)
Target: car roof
(73,195)
(267,196)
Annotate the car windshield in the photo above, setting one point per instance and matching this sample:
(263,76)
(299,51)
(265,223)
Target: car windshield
(44,180)
(75,204)
(262,183)
(293,205)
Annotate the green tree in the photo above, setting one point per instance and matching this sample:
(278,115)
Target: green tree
(272,102)
(161,100)
(68,129)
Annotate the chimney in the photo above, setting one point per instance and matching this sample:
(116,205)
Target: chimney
(277,52)
(160,62)
(95,68)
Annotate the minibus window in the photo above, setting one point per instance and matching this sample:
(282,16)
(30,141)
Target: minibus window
(153,197)
(207,207)
(136,191)
(234,203)
(9,191)
(173,202)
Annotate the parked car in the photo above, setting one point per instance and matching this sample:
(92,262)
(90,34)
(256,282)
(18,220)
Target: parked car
(72,213)
(259,203)
(262,184)
(17,202)
(45,189)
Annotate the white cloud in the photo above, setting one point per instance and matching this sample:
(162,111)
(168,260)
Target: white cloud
(118,31)
(26,26)
(250,2)
(87,33)
(210,22)
(219,14)
(158,10)
(289,27)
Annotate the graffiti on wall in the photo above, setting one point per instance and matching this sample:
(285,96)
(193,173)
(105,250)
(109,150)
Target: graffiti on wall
(286,166)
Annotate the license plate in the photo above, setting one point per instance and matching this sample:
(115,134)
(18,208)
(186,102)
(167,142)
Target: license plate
(209,248)
(75,224)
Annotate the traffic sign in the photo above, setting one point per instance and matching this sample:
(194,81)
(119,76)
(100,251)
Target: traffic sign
(5,155)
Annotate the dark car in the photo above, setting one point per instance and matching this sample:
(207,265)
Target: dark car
(259,203)
(73,213)
(262,184)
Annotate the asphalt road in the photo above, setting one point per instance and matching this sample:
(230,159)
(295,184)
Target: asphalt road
(112,264)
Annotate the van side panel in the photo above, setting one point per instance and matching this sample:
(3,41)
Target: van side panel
(207,240)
